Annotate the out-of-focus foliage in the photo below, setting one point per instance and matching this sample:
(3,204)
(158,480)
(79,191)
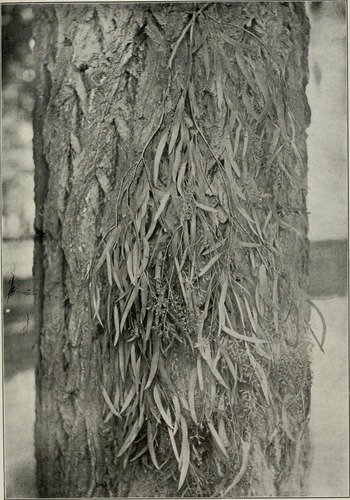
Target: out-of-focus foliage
(18,101)
(334,9)
(16,23)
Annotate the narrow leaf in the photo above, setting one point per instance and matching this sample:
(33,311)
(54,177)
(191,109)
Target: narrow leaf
(206,208)
(129,268)
(261,376)
(158,214)
(274,142)
(246,244)
(243,67)
(239,308)
(131,437)
(173,444)
(153,408)
(222,433)
(191,393)
(177,160)
(259,78)
(109,268)
(267,220)
(237,137)
(133,359)
(129,305)
(144,295)
(285,420)
(135,261)
(206,57)
(158,156)
(231,41)
(150,439)
(257,223)
(177,122)
(250,315)
(229,362)
(140,453)
(178,269)
(222,301)
(149,324)
(206,355)
(128,399)
(193,231)
(180,177)
(109,402)
(96,303)
(242,211)
(245,456)
(264,288)
(185,453)
(200,374)
(259,302)
(115,404)
(217,439)
(161,207)
(280,115)
(116,324)
(160,407)
(209,264)
(121,359)
(219,87)
(177,408)
(213,247)
(192,98)
(238,336)
(231,156)
(324,325)
(155,359)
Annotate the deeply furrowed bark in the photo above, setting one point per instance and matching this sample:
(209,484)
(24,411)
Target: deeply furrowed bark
(109,81)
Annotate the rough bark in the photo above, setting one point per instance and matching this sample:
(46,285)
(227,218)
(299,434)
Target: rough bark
(110,79)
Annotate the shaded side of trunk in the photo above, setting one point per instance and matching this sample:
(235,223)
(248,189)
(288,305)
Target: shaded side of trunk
(171,262)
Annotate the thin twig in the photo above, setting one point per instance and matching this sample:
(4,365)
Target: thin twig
(246,449)
(324,325)
(184,31)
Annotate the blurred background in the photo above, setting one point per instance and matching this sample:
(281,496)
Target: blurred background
(327,205)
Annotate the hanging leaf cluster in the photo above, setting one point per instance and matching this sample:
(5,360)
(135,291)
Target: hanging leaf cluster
(193,263)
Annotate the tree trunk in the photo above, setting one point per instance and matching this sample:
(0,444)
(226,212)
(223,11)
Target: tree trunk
(171,253)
